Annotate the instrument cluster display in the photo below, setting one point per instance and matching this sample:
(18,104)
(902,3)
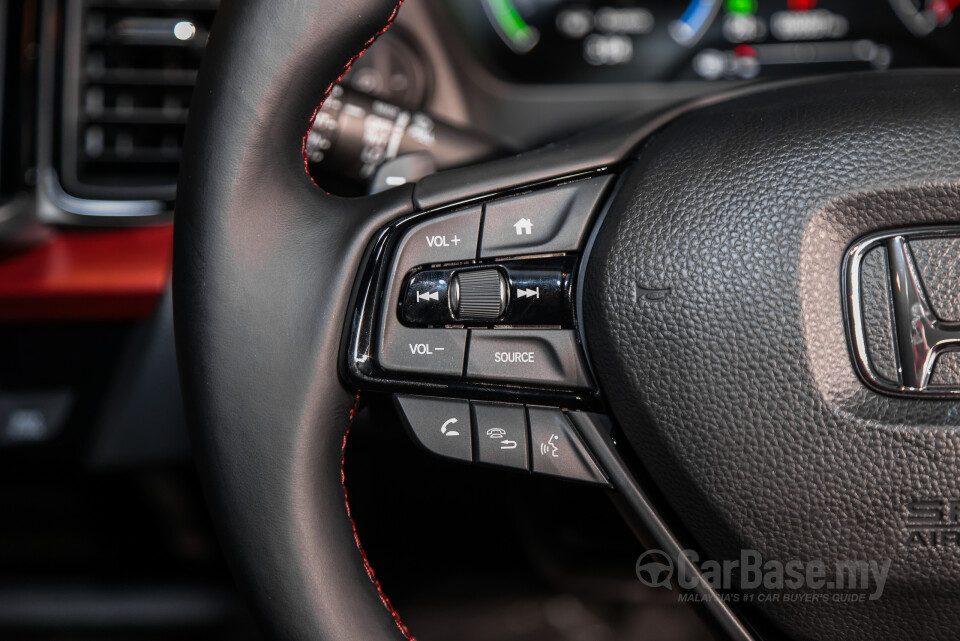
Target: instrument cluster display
(551,41)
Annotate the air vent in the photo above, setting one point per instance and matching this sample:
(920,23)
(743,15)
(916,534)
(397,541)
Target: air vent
(129,69)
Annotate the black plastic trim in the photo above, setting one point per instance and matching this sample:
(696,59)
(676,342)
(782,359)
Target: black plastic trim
(54,204)
(596,430)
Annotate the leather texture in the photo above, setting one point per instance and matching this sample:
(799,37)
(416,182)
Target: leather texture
(737,389)
(264,263)
(946,371)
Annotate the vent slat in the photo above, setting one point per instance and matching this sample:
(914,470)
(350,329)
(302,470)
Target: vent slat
(141,156)
(139,116)
(156,5)
(171,77)
(129,67)
(148,38)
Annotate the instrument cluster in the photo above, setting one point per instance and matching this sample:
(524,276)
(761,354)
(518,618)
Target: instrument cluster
(584,41)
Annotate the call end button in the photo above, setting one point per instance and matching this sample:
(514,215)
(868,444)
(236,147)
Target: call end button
(541,357)
(500,434)
(436,352)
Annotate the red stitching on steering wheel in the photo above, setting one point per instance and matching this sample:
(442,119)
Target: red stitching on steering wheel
(356,537)
(353,411)
(343,72)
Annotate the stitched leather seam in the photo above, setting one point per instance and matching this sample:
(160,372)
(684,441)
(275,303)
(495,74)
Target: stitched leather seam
(356,537)
(343,72)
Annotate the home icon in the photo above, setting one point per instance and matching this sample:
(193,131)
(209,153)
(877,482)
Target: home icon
(524,226)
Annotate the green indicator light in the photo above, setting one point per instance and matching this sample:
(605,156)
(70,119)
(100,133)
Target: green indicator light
(742,6)
(514,30)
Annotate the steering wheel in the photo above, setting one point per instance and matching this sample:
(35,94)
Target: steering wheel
(721,364)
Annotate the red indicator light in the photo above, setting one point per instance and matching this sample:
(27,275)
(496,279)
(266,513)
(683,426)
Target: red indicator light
(801,5)
(744,51)
(942,8)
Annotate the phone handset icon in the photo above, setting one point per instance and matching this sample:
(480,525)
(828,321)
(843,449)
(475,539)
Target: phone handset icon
(444,429)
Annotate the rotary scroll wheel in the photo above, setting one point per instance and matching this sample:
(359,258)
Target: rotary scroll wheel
(478,294)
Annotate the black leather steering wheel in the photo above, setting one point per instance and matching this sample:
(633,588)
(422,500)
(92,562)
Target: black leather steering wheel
(711,305)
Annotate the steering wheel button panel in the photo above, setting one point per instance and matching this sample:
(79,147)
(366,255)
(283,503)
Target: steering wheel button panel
(543,357)
(542,440)
(540,222)
(500,435)
(440,285)
(440,425)
(557,449)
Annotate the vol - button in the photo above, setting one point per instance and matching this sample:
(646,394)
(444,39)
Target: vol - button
(438,352)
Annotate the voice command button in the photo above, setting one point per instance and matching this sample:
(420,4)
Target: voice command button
(557,449)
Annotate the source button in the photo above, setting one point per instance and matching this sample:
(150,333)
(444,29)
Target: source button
(541,357)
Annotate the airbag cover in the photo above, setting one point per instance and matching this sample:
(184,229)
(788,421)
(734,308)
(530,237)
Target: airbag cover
(715,326)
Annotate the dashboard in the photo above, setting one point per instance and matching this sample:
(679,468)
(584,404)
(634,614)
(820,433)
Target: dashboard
(597,41)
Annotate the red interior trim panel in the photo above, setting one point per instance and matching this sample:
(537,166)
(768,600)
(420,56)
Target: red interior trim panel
(86,275)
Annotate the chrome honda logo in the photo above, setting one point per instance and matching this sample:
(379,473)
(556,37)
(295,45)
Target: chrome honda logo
(918,337)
